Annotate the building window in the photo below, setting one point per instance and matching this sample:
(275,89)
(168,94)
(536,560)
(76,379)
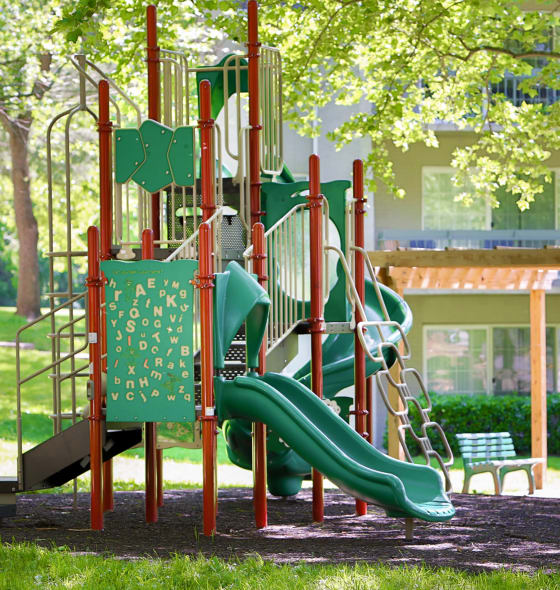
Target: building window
(456,360)
(441,211)
(486,360)
(511,351)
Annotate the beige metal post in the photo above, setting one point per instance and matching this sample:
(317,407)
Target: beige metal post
(394,447)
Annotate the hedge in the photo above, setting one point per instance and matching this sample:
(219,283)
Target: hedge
(481,413)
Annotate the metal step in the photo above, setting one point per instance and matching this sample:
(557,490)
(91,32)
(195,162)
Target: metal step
(8,489)
(65,456)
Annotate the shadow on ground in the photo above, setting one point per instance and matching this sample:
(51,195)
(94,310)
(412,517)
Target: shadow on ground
(488,532)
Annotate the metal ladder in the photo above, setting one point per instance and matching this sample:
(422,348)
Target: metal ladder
(402,380)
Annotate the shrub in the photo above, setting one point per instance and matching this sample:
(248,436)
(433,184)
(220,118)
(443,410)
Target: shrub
(481,413)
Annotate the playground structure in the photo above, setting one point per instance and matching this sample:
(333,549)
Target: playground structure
(178,333)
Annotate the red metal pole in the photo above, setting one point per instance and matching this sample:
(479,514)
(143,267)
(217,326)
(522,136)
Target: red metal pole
(316,320)
(205,284)
(159,476)
(150,428)
(208,418)
(207,172)
(360,410)
(253,56)
(94,284)
(152,51)
(259,429)
(108,501)
(105,128)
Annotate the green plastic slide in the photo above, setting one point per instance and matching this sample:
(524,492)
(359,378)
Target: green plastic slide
(328,443)
(287,470)
(308,431)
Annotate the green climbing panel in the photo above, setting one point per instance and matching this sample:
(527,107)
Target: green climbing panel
(181,156)
(149,340)
(155,172)
(129,153)
(155,155)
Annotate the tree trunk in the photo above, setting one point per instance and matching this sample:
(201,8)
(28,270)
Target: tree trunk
(28,292)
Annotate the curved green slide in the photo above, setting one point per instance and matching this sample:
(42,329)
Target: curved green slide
(338,349)
(286,469)
(328,443)
(309,432)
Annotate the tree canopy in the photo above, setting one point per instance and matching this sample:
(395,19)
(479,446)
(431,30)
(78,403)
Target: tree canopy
(417,62)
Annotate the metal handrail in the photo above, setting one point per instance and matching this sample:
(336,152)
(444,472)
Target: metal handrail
(56,362)
(285,244)
(191,240)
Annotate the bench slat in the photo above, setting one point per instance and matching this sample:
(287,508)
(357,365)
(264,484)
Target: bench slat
(483,435)
(494,447)
(488,455)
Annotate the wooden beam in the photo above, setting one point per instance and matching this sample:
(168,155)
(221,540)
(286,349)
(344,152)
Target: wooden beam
(475,278)
(538,384)
(521,257)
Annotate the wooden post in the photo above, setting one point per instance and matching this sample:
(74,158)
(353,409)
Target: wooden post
(394,447)
(153,60)
(206,286)
(105,128)
(208,417)
(360,399)
(538,384)
(253,55)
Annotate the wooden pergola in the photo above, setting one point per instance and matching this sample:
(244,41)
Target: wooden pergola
(504,269)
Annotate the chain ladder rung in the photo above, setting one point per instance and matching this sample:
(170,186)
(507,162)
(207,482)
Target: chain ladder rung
(406,396)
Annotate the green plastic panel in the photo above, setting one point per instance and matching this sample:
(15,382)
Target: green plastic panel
(155,173)
(129,153)
(181,156)
(179,432)
(216,79)
(238,298)
(150,376)
(277,199)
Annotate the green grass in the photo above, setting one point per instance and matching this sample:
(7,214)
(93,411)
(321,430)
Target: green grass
(26,566)
(10,323)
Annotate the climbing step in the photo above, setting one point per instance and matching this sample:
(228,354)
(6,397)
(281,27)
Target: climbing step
(8,489)
(65,456)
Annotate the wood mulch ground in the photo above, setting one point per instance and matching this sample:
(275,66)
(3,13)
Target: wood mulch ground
(488,532)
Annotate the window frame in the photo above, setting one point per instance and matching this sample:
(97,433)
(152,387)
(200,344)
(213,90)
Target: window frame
(488,220)
(489,328)
(452,171)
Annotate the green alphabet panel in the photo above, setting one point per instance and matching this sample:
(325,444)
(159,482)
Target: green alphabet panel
(149,340)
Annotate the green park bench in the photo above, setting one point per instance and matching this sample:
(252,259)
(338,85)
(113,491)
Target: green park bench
(494,453)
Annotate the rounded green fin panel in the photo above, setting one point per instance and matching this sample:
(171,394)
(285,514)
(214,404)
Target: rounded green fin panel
(181,156)
(129,153)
